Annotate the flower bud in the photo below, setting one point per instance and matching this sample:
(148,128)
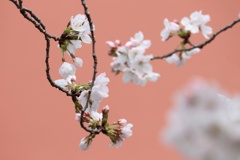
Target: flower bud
(86,142)
(77,116)
(122,122)
(67,69)
(78,61)
(105,111)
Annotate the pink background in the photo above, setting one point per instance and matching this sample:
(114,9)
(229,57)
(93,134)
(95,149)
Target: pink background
(37,121)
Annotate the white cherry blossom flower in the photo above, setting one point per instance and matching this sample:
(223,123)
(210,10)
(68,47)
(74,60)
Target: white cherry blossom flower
(170,28)
(138,41)
(84,35)
(123,133)
(73,45)
(179,61)
(92,105)
(141,63)
(133,52)
(77,22)
(65,82)
(130,60)
(131,76)
(99,91)
(80,24)
(67,69)
(197,21)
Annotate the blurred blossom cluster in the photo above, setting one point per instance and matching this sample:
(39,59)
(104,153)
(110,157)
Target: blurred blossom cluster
(130,60)
(204,123)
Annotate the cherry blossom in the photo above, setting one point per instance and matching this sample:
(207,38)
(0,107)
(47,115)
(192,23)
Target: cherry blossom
(197,21)
(130,60)
(67,69)
(99,91)
(138,41)
(119,133)
(204,124)
(170,29)
(73,45)
(80,24)
(179,60)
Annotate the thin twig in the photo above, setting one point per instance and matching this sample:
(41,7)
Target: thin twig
(94,66)
(33,18)
(202,44)
(40,26)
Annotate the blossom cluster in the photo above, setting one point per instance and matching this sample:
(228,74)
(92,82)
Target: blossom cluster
(184,29)
(79,31)
(117,132)
(130,60)
(205,124)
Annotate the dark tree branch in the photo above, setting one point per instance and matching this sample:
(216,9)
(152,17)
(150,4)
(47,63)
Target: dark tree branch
(39,25)
(33,18)
(94,66)
(202,44)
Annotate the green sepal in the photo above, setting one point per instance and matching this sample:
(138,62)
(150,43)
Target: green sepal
(63,47)
(67,31)
(184,34)
(78,107)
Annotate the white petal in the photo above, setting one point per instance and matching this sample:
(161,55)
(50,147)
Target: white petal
(86,38)
(165,34)
(61,83)
(146,44)
(138,36)
(173,59)
(206,30)
(185,21)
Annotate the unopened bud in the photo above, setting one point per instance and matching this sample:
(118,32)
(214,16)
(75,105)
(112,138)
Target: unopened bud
(110,44)
(118,42)
(122,122)
(77,116)
(105,111)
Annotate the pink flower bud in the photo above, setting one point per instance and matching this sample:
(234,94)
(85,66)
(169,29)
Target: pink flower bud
(77,116)
(110,44)
(122,122)
(105,109)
